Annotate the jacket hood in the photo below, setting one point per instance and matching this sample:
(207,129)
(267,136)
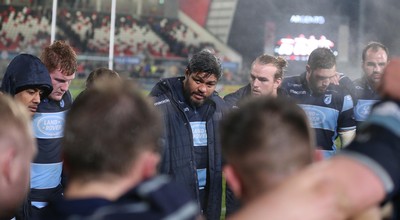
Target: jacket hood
(26,71)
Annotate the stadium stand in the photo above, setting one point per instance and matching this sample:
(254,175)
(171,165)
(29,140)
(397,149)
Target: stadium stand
(23,29)
(146,46)
(160,37)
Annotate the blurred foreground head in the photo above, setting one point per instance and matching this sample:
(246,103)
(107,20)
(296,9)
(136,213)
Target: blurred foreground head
(264,141)
(107,129)
(99,75)
(389,86)
(17,147)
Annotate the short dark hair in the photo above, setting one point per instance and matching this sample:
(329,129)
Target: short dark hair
(107,128)
(98,73)
(205,62)
(60,55)
(374,46)
(279,62)
(321,58)
(266,136)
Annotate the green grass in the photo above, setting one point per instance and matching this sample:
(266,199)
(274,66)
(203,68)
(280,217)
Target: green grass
(223,200)
(76,87)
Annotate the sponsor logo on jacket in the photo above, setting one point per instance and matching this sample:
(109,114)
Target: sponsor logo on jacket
(161,102)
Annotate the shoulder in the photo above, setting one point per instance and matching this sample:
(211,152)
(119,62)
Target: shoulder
(345,81)
(359,83)
(340,95)
(163,199)
(234,97)
(220,103)
(387,114)
(159,88)
(241,91)
(293,86)
(337,91)
(62,208)
(291,79)
(162,92)
(48,105)
(164,85)
(292,83)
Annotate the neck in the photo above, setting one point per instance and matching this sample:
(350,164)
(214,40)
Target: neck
(370,83)
(252,194)
(266,184)
(103,188)
(373,85)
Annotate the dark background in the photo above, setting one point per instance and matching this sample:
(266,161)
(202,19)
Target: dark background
(368,20)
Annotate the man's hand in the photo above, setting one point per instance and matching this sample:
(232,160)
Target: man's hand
(335,79)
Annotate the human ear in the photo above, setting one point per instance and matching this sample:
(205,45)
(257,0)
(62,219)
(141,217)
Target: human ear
(277,82)
(150,164)
(8,155)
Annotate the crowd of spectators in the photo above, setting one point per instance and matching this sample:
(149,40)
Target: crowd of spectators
(153,40)
(23,29)
(159,37)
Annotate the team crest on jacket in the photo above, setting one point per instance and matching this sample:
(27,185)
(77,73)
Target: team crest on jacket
(328,99)
(62,104)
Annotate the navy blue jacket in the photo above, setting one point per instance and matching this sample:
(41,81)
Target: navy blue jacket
(378,139)
(178,156)
(233,99)
(156,198)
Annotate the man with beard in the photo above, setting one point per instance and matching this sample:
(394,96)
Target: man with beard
(329,108)
(191,113)
(374,59)
(265,78)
